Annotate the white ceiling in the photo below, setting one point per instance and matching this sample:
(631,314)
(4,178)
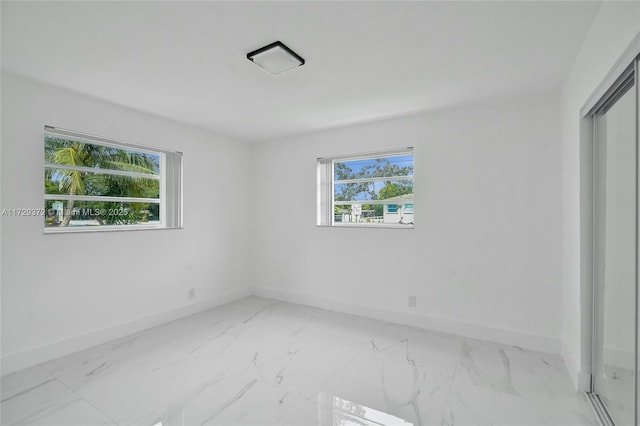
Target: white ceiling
(365,60)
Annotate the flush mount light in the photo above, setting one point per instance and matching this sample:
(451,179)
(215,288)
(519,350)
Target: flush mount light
(275,58)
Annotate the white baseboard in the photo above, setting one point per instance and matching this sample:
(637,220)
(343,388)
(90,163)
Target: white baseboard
(581,380)
(27,358)
(447,325)
(30,357)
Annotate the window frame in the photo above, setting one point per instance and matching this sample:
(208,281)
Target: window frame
(176,188)
(326,188)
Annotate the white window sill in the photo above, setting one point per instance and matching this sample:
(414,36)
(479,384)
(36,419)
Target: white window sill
(367,225)
(89,229)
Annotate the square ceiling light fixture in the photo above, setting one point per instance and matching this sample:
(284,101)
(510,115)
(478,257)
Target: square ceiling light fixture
(276,58)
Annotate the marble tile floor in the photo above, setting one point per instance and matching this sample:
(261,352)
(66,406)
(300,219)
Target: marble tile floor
(262,362)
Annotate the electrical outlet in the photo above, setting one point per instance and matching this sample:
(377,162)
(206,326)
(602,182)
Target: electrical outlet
(192,293)
(412,301)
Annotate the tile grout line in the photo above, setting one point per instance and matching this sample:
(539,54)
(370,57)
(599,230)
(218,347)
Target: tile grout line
(78,395)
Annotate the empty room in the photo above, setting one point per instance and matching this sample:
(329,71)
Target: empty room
(380,213)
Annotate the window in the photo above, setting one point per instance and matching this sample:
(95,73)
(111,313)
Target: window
(372,189)
(93,183)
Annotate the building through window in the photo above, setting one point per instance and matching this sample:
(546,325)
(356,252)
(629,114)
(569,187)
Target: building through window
(374,189)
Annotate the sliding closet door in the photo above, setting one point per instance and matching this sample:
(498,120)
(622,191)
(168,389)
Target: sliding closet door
(616,254)
(637,90)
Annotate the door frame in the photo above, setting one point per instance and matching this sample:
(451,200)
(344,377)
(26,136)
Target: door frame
(607,92)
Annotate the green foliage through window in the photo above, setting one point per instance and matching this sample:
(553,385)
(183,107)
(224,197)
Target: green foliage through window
(83,181)
(362,187)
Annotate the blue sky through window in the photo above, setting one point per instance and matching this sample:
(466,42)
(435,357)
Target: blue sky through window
(388,169)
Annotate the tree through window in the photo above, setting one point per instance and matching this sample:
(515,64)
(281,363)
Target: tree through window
(90,182)
(373,189)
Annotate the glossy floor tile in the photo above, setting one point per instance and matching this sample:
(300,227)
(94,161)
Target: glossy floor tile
(262,362)
(34,397)
(511,370)
(235,399)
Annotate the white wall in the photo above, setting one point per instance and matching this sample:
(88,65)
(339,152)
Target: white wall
(616,24)
(63,292)
(484,257)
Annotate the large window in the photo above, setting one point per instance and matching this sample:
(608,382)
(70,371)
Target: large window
(93,183)
(374,189)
